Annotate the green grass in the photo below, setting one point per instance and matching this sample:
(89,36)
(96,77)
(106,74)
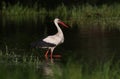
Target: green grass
(28,67)
(103,15)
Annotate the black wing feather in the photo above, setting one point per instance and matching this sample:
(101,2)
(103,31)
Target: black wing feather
(41,44)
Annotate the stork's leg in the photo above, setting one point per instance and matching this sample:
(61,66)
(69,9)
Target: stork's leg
(46,54)
(51,54)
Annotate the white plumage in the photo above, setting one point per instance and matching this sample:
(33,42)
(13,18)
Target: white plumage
(55,39)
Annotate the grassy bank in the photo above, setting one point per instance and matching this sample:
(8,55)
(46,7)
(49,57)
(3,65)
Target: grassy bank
(80,15)
(27,67)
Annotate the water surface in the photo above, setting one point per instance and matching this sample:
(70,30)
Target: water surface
(90,42)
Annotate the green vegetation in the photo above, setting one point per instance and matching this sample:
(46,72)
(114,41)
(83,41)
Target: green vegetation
(85,71)
(17,10)
(27,67)
(81,15)
(14,66)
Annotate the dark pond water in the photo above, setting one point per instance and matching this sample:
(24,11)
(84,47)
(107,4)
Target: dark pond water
(91,43)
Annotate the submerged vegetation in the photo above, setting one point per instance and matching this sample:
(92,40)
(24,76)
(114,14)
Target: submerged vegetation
(80,15)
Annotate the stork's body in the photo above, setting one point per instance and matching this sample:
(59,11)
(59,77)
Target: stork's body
(51,41)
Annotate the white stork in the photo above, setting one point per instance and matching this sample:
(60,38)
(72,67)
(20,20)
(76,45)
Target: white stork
(50,42)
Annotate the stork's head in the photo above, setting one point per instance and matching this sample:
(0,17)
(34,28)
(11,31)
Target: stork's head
(60,22)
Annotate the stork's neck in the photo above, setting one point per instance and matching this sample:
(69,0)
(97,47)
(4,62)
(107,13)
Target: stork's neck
(59,30)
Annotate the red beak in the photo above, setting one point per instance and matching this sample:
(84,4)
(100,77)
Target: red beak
(62,23)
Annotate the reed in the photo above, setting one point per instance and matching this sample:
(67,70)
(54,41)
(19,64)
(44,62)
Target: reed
(81,15)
